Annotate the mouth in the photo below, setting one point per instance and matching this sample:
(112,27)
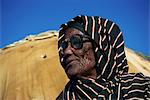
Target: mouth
(69,64)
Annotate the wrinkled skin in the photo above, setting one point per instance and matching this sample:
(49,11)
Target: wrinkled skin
(79,62)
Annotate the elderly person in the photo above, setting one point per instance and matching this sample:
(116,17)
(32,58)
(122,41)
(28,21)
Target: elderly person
(91,51)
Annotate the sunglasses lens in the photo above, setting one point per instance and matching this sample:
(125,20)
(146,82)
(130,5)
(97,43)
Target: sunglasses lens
(76,42)
(64,45)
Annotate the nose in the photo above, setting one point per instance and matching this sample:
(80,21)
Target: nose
(68,50)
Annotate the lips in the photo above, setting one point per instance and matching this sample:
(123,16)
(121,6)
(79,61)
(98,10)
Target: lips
(68,63)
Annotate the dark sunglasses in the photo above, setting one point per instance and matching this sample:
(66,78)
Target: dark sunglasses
(76,41)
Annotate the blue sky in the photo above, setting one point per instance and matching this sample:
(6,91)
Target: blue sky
(20,18)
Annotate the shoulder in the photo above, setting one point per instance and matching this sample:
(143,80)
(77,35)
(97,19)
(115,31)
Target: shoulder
(135,78)
(60,96)
(136,85)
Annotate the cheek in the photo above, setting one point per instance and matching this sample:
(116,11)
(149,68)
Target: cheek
(88,61)
(85,62)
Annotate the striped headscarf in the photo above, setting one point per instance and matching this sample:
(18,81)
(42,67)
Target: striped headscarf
(113,80)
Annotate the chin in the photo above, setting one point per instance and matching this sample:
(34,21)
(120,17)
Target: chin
(71,77)
(72,71)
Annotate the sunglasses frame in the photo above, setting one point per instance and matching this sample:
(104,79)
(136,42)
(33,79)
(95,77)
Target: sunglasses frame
(72,45)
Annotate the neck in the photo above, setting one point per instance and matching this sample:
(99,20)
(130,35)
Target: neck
(92,74)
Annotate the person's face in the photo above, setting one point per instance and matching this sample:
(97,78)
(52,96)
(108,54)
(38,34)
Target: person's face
(79,62)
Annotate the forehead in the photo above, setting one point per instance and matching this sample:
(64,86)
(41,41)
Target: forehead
(72,31)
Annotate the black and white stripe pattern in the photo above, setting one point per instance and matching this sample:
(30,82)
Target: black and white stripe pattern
(113,80)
